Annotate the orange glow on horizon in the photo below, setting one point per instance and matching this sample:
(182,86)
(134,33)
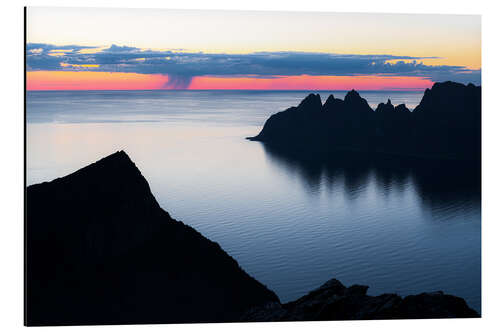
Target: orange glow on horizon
(90,80)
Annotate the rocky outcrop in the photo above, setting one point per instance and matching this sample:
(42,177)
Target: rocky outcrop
(334,301)
(445,125)
(100,250)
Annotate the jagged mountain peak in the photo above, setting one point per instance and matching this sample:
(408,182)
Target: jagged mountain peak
(330,99)
(311,102)
(352,95)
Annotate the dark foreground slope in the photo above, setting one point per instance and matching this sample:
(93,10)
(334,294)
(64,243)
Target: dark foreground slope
(100,250)
(445,125)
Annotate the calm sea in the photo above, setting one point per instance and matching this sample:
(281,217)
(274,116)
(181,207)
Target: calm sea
(292,225)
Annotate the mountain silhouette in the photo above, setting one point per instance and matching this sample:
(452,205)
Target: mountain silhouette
(448,121)
(445,125)
(100,250)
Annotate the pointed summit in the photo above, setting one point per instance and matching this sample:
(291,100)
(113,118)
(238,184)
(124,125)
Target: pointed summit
(357,104)
(113,167)
(351,96)
(387,107)
(311,103)
(113,184)
(329,100)
(333,104)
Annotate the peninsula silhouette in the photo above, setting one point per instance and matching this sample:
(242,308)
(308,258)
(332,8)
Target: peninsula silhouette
(445,125)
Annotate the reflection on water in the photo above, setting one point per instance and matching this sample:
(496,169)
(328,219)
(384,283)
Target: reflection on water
(440,186)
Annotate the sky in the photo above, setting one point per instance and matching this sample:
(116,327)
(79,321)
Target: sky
(108,49)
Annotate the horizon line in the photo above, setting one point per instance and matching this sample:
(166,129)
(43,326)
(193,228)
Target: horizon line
(277,90)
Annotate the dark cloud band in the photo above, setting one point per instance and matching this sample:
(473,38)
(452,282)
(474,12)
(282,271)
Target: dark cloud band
(183,66)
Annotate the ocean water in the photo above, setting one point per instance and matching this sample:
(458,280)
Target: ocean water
(290,224)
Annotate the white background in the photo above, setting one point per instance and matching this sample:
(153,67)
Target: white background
(11,161)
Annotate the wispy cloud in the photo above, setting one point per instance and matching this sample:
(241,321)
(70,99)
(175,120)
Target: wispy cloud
(182,66)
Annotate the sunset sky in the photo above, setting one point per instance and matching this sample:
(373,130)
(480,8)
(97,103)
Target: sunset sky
(96,48)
